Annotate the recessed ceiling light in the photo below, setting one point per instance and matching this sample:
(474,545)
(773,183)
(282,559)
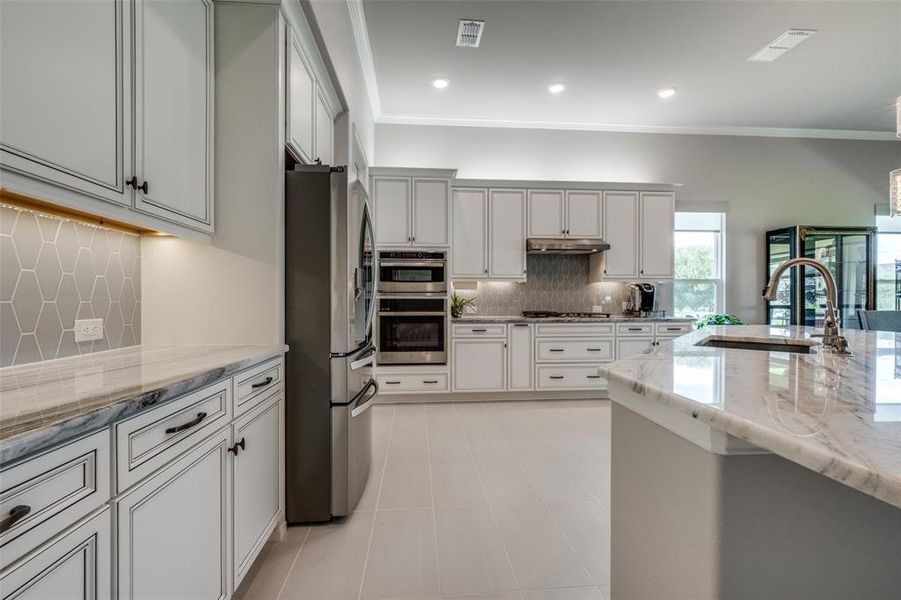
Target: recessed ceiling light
(440,83)
(556,88)
(666,92)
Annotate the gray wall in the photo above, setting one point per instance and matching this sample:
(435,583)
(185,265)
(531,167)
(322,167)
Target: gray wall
(764,182)
(54,270)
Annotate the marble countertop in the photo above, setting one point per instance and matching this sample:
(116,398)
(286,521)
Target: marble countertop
(839,416)
(521,319)
(47,402)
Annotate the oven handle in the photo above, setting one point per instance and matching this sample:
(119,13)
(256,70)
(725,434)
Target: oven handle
(361,404)
(412,313)
(424,263)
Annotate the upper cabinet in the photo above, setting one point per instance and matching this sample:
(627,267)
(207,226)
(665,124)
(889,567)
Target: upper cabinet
(656,226)
(469,250)
(547,213)
(584,214)
(565,213)
(324,132)
(174,131)
(507,234)
(299,106)
(107,107)
(412,207)
(621,232)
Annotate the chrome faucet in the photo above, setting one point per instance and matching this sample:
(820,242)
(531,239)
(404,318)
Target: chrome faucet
(832,335)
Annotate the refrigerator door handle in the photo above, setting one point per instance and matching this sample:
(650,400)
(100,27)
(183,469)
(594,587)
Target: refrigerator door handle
(361,403)
(366,360)
(359,349)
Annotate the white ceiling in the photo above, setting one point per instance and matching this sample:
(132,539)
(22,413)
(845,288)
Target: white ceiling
(614,56)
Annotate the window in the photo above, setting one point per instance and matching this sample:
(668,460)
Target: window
(888,263)
(698,285)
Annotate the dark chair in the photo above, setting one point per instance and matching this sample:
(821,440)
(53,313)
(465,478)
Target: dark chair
(879,320)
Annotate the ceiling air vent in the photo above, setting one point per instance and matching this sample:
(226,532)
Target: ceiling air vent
(469,34)
(781,45)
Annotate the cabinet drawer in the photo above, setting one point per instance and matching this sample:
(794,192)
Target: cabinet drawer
(487,330)
(673,329)
(634,329)
(150,440)
(418,382)
(254,383)
(51,491)
(568,350)
(568,376)
(573,329)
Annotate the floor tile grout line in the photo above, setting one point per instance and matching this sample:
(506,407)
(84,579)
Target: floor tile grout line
(428,453)
(293,563)
(378,498)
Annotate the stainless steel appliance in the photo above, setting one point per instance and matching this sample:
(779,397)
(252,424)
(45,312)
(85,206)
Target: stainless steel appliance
(409,272)
(644,298)
(565,246)
(329,307)
(412,330)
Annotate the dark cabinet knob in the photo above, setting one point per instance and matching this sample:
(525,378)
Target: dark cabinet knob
(238,446)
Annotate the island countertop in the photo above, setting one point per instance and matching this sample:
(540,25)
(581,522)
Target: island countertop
(521,319)
(837,415)
(48,402)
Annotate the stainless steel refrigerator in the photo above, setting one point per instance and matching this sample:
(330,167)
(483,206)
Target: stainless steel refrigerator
(330,298)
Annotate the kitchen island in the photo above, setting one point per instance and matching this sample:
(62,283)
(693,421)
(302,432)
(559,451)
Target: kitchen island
(757,473)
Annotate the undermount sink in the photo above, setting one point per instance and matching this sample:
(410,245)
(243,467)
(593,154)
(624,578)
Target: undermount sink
(764,344)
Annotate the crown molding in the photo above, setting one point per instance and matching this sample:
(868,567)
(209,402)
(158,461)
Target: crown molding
(779,132)
(364,53)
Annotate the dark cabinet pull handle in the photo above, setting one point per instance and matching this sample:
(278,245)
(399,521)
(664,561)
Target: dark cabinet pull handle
(556,349)
(593,349)
(236,446)
(16,514)
(674,329)
(556,377)
(392,382)
(430,381)
(479,330)
(593,376)
(520,324)
(635,328)
(192,423)
(263,383)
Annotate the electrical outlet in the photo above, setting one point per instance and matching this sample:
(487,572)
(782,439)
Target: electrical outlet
(88,329)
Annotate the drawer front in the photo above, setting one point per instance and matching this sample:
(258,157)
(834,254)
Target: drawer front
(573,329)
(550,377)
(487,330)
(634,329)
(418,382)
(626,347)
(673,329)
(568,350)
(43,495)
(255,383)
(150,440)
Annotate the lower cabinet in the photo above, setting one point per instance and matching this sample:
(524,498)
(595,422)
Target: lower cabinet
(172,528)
(74,566)
(568,376)
(255,481)
(520,356)
(480,365)
(626,347)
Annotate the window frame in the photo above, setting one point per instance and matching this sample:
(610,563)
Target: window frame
(719,257)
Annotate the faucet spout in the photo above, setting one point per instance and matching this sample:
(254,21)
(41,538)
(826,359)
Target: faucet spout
(832,337)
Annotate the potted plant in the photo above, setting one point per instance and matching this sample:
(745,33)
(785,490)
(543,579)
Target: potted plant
(717,319)
(459,304)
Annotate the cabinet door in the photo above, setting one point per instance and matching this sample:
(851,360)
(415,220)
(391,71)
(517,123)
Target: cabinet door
(65,116)
(656,227)
(256,482)
(431,199)
(173,528)
(299,103)
(480,365)
(174,110)
(76,566)
(324,131)
(626,347)
(469,251)
(621,232)
(584,211)
(546,208)
(519,357)
(507,234)
(391,196)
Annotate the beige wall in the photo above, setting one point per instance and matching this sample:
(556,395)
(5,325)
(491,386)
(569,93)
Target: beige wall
(765,182)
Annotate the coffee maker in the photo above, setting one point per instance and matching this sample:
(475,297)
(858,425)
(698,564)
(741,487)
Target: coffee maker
(644,298)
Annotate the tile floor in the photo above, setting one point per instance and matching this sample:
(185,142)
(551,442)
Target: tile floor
(490,501)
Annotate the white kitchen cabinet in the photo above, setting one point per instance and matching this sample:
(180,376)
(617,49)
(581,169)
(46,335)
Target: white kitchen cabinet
(520,356)
(391,197)
(480,365)
(174,111)
(65,116)
(507,234)
(431,199)
(74,566)
(621,232)
(656,226)
(299,105)
(584,214)
(469,250)
(393,380)
(173,528)
(567,376)
(324,131)
(629,346)
(546,210)
(255,481)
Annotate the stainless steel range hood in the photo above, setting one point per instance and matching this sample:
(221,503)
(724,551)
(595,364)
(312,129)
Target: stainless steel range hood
(565,246)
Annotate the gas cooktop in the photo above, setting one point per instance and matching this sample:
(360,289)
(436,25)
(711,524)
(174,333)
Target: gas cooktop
(553,314)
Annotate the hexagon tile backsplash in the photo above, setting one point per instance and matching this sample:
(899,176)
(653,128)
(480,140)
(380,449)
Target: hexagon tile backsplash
(54,270)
